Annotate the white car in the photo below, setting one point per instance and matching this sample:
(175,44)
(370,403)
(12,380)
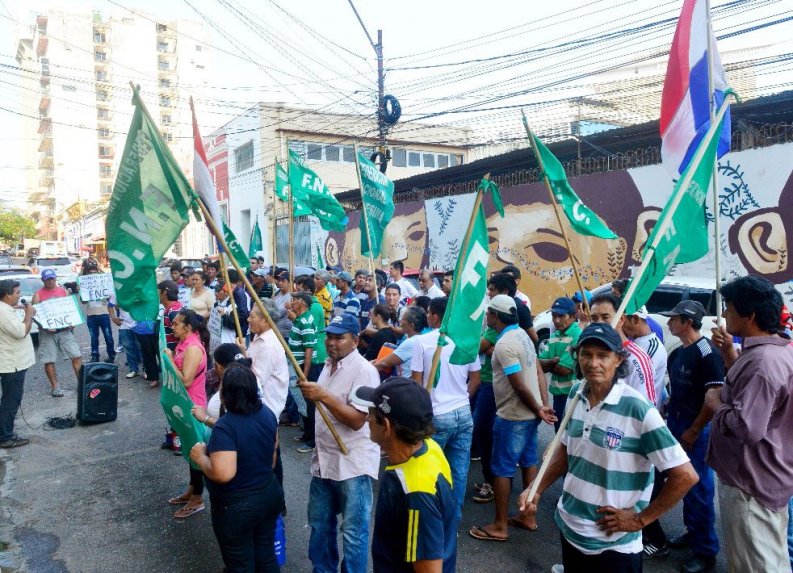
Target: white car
(61,264)
(670,292)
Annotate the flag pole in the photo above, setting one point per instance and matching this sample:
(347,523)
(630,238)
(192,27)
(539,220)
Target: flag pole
(463,249)
(224,269)
(663,224)
(537,155)
(716,209)
(291,240)
(291,357)
(631,289)
(363,211)
(275,214)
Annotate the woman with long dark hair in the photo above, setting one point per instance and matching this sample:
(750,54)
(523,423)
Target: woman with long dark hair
(238,464)
(190,361)
(226,356)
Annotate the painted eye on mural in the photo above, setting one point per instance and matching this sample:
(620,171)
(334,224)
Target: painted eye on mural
(548,251)
(416,236)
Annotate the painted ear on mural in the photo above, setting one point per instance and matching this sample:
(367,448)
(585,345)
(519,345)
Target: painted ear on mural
(644,226)
(761,241)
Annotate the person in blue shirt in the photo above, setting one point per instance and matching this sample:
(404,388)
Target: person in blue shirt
(415,522)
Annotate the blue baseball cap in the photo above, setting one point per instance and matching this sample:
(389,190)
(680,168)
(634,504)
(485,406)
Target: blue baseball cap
(563,305)
(343,324)
(577,296)
(48,274)
(601,332)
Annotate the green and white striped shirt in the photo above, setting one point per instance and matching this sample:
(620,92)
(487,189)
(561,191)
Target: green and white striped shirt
(303,335)
(611,451)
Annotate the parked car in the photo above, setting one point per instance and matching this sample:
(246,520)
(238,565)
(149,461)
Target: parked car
(164,269)
(28,285)
(60,264)
(670,292)
(15,270)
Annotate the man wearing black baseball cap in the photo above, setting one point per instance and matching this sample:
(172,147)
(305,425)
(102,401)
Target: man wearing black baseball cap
(608,450)
(415,519)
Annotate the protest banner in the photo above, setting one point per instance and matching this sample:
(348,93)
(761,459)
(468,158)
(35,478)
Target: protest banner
(215,328)
(96,286)
(184,296)
(58,313)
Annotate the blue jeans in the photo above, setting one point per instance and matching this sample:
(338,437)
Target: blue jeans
(484,415)
(129,342)
(514,444)
(790,531)
(453,433)
(699,513)
(559,404)
(326,499)
(95,324)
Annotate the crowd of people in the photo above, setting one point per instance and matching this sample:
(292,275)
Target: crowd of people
(632,445)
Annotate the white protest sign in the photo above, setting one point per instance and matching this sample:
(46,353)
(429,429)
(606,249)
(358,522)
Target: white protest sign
(96,286)
(184,296)
(215,327)
(58,313)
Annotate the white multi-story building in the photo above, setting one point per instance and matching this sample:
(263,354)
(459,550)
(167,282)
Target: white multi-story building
(84,64)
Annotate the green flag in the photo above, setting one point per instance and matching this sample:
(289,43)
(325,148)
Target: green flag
(148,209)
(308,189)
(686,237)
(583,220)
(466,307)
(488,186)
(256,239)
(320,262)
(177,404)
(281,181)
(236,249)
(377,198)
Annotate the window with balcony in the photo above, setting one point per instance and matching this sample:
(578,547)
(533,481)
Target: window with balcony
(243,157)
(165,101)
(105,151)
(103,113)
(105,171)
(101,76)
(99,37)
(100,56)
(162,47)
(103,133)
(164,66)
(165,119)
(165,83)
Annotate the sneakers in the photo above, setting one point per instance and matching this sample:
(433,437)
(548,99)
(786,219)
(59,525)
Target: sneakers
(305,448)
(485,494)
(131,374)
(57,392)
(168,443)
(14,442)
(652,550)
(177,445)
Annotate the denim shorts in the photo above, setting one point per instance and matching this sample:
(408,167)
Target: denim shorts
(514,444)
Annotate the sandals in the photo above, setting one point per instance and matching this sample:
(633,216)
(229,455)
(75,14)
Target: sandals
(178,500)
(483,535)
(154,384)
(187,511)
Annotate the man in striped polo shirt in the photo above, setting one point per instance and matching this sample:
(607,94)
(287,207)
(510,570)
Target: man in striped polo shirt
(557,358)
(303,343)
(607,454)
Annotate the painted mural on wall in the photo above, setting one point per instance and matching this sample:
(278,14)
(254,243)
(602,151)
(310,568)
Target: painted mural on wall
(756,220)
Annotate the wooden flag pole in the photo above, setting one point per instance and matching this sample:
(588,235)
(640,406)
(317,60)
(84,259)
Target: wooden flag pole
(363,211)
(436,357)
(291,241)
(664,225)
(275,226)
(225,271)
(529,134)
(291,357)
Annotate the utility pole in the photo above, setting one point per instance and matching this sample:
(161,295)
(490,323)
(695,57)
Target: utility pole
(378,50)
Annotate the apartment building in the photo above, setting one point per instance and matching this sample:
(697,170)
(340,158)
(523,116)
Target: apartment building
(245,150)
(83,64)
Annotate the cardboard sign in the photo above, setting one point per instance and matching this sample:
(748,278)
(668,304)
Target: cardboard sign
(184,296)
(58,313)
(96,286)
(215,327)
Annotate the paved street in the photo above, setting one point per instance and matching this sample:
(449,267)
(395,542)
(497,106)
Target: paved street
(92,498)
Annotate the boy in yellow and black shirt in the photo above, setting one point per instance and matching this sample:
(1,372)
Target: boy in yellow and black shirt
(416,514)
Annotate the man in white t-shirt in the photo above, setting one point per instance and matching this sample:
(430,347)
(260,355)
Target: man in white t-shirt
(451,408)
(427,285)
(405,286)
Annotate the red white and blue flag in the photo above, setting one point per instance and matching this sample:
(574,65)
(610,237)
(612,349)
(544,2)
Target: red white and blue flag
(685,103)
(202,178)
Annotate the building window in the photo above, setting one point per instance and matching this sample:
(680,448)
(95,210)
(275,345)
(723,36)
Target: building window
(348,154)
(332,153)
(443,161)
(162,47)
(165,83)
(100,56)
(69,88)
(167,136)
(105,189)
(99,37)
(165,101)
(198,47)
(105,171)
(104,151)
(164,65)
(243,157)
(314,151)
(399,157)
(103,132)
(102,95)
(429,159)
(455,159)
(165,119)
(101,76)
(162,28)
(103,113)
(414,159)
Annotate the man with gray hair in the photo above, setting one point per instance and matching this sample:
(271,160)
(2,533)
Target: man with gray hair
(427,286)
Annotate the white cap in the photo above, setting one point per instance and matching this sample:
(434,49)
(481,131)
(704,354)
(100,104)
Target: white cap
(503,303)
(641,313)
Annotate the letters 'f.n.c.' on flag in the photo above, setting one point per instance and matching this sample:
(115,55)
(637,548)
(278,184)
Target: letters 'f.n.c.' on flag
(234,246)
(255,244)
(204,184)
(681,233)
(686,103)
(377,198)
(466,308)
(281,181)
(582,219)
(309,189)
(148,209)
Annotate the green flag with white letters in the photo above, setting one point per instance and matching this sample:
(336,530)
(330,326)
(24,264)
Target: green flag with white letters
(236,249)
(309,189)
(466,307)
(256,239)
(686,237)
(148,210)
(582,219)
(377,198)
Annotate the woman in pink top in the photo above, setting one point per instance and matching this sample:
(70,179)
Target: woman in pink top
(190,360)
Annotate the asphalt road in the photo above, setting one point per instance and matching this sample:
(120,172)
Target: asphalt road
(93,498)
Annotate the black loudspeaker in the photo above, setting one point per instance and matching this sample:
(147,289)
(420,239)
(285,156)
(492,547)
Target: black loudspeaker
(97,393)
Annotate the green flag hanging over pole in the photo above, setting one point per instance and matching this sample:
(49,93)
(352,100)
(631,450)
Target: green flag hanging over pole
(256,239)
(148,209)
(582,219)
(308,189)
(236,249)
(681,233)
(377,203)
(281,181)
